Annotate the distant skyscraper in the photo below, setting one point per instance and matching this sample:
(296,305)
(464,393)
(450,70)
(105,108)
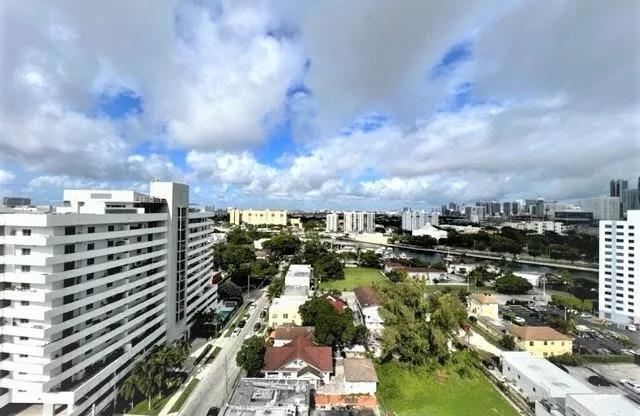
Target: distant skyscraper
(413,220)
(9,201)
(603,207)
(332,223)
(359,222)
(618,186)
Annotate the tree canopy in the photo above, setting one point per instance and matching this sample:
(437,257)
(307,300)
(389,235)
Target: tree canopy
(331,327)
(229,291)
(283,244)
(512,284)
(251,355)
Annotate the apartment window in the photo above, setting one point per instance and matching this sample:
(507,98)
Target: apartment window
(69,248)
(23,355)
(110,228)
(545,343)
(89,306)
(285,315)
(90,261)
(69,266)
(25,251)
(562,343)
(531,343)
(24,338)
(89,276)
(26,232)
(69,230)
(89,291)
(91,246)
(91,230)
(631,227)
(24,302)
(25,268)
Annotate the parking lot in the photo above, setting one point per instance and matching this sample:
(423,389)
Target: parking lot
(613,373)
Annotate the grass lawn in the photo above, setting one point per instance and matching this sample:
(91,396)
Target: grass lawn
(185,394)
(355,277)
(142,408)
(416,392)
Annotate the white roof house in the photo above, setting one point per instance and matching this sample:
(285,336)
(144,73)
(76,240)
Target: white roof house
(588,405)
(537,378)
(298,275)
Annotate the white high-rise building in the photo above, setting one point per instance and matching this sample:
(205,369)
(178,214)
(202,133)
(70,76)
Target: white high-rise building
(603,207)
(332,223)
(359,222)
(91,288)
(413,220)
(619,285)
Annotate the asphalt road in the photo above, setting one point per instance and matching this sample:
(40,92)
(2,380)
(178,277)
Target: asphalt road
(213,389)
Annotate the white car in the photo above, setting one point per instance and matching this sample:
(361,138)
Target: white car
(631,328)
(519,320)
(584,315)
(236,332)
(632,385)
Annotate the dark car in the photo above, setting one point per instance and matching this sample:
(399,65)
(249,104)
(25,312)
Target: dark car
(256,327)
(214,411)
(242,323)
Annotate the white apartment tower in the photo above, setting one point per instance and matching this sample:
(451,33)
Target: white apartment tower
(413,220)
(359,222)
(91,288)
(332,223)
(619,285)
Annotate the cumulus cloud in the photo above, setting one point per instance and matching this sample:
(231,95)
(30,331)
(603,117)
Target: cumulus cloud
(6,176)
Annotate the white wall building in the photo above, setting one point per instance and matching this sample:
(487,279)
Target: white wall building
(540,227)
(475,213)
(359,222)
(537,378)
(257,217)
(413,220)
(299,275)
(430,231)
(332,223)
(88,290)
(588,405)
(619,248)
(605,208)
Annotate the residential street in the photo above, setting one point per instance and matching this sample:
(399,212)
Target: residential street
(212,389)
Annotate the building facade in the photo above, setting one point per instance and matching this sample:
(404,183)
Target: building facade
(93,287)
(413,220)
(332,223)
(617,283)
(541,341)
(604,208)
(257,217)
(359,222)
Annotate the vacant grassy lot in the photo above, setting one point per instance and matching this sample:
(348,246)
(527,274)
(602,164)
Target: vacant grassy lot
(418,392)
(355,277)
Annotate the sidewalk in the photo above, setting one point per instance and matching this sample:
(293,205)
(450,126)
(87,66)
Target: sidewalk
(217,342)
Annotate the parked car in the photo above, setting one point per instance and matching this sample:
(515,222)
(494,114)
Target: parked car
(236,332)
(214,411)
(585,315)
(518,320)
(631,328)
(263,314)
(631,385)
(256,327)
(242,323)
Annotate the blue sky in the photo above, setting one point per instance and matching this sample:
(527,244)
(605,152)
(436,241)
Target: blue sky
(314,106)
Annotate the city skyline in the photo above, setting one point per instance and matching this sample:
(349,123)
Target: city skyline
(266,104)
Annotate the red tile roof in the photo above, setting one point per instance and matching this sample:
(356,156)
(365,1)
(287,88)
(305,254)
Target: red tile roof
(336,302)
(289,332)
(300,348)
(367,296)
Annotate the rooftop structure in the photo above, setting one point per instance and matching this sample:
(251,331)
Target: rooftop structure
(301,348)
(261,397)
(366,296)
(537,333)
(485,299)
(359,370)
(338,304)
(298,275)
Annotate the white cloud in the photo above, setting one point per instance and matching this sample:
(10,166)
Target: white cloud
(6,176)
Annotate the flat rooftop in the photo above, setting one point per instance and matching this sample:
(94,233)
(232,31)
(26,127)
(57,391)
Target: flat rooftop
(542,372)
(258,396)
(604,404)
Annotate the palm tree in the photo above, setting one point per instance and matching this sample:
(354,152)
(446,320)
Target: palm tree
(129,388)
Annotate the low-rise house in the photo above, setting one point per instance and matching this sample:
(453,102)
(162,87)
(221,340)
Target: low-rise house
(537,379)
(285,310)
(301,359)
(257,396)
(299,275)
(337,303)
(541,341)
(481,304)
(359,376)
(284,334)
(369,307)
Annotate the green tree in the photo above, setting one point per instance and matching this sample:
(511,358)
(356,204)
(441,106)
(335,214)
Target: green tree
(276,288)
(251,355)
(283,244)
(328,267)
(512,284)
(229,291)
(331,327)
(129,388)
(508,342)
(263,269)
(370,259)
(572,302)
